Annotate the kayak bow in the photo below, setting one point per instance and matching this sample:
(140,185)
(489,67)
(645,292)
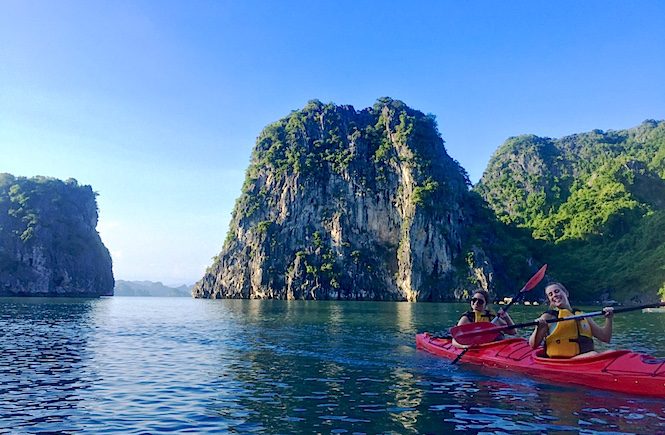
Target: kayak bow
(618,370)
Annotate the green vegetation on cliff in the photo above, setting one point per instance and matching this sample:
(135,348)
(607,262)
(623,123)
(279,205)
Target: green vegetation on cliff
(346,204)
(339,203)
(325,139)
(593,201)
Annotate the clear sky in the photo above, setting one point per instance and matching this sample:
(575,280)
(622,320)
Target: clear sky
(157,104)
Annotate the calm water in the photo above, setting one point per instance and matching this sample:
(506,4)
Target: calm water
(154,365)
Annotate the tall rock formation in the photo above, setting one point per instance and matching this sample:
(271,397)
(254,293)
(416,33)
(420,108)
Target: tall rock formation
(346,204)
(49,245)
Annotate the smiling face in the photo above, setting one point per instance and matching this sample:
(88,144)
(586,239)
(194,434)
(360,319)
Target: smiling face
(557,295)
(478,302)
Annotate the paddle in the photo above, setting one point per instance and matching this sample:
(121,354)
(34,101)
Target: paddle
(530,284)
(487,332)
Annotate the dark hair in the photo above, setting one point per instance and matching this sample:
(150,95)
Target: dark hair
(485,294)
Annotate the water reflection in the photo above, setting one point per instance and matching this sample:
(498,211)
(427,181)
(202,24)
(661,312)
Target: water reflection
(407,398)
(405,316)
(150,365)
(350,367)
(491,405)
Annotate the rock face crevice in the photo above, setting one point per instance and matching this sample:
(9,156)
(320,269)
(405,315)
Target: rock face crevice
(346,204)
(49,245)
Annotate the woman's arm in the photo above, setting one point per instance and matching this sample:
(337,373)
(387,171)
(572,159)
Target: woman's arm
(463,321)
(539,334)
(502,318)
(603,333)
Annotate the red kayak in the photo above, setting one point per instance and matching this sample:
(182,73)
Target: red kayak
(618,370)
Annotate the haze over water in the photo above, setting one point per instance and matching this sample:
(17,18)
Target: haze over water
(150,365)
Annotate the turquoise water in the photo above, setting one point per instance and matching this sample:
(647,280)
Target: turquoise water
(177,365)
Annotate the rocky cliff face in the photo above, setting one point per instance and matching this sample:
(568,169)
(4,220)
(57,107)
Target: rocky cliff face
(49,245)
(346,204)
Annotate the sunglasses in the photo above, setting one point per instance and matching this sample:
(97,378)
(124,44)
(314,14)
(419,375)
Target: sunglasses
(478,301)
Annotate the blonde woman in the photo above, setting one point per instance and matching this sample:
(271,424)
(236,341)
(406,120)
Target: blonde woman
(571,338)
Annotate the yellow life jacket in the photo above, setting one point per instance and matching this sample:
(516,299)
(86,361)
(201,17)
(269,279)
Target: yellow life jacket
(483,316)
(569,338)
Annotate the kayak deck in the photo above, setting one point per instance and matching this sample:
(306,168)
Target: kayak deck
(618,370)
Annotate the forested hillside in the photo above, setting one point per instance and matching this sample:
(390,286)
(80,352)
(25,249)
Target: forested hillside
(594,204)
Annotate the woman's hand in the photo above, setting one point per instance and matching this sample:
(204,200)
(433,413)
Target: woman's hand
(603,333)
(539,333)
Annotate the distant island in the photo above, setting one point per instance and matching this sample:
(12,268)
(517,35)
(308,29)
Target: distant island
(150,288)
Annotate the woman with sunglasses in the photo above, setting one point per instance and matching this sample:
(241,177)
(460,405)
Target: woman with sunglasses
(572,338)
(480,313)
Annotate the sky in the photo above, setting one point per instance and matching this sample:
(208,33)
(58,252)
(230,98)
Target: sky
(157,104)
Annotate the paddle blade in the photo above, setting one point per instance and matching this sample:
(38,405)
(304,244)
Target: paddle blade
(530,284)
(535,279)
(476,333)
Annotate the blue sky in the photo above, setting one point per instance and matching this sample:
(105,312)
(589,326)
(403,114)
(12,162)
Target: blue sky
(157,104)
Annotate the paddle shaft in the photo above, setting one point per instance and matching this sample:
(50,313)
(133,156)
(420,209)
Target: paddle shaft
(461,355)
(576,317)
